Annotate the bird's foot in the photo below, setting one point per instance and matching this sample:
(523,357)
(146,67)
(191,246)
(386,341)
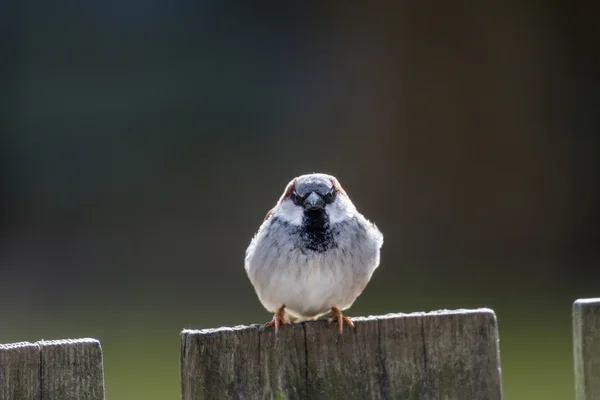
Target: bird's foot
(336,315)
(278,320)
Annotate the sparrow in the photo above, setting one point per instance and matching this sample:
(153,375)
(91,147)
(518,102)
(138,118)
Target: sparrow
(314,253)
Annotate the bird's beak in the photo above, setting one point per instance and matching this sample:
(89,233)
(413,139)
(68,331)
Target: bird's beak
(313,202)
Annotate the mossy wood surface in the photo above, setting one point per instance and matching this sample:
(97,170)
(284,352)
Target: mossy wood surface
(437,355)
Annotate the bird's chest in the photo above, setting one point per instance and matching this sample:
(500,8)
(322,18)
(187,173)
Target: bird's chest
(316,235)
(315,241)
(318,261)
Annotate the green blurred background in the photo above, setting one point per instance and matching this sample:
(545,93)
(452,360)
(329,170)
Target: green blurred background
(142,142)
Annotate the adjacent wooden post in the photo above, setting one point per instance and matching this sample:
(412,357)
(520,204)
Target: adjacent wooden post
(586,348)
(49,370)
(438,355)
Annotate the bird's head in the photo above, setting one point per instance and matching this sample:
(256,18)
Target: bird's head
(314,196)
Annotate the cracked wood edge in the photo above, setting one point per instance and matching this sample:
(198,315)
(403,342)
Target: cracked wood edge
(441,354)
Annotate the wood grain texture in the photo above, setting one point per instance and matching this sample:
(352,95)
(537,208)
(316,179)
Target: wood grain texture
(439,355)
(52,370)
(72,369)
(19,371)
(586,348)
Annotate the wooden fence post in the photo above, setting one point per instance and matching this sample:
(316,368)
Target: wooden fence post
(19,371)
(438,355)
(52,370)
(586,348)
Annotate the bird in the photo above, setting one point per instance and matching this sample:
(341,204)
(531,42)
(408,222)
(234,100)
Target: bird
(314,253)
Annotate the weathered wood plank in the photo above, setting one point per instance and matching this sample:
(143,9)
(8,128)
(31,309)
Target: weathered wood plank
(206,355)
(462,357)
(283,363)
(586,348)
(19,371)
(203,357)
(71,370)
(440,355)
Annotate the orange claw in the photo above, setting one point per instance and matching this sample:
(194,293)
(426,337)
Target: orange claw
(278,320)
(336,315)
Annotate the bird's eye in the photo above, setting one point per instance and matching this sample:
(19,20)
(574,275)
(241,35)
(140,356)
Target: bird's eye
(329,197)
(296,197)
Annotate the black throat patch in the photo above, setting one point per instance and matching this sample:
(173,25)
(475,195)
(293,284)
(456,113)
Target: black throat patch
(315,232)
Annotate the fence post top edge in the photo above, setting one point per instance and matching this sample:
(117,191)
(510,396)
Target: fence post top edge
(437,313)
(583,303)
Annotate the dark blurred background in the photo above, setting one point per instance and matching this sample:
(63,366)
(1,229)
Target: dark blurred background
(142,142)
